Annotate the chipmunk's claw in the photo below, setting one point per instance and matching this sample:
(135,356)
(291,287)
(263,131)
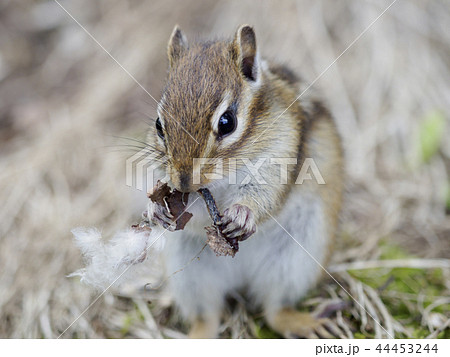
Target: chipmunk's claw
(238,222)
(160,215)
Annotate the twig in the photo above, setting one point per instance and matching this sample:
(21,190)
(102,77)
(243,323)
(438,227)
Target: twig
(397,263)
(181,269)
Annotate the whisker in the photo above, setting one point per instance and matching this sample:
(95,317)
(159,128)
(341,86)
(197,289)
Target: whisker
(147,116)
(135,140)
(133,146)
(160,159)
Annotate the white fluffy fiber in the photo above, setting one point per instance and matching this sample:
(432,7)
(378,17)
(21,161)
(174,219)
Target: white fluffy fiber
(117,260)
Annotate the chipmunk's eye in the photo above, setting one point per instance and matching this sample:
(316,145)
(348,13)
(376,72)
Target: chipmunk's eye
(159,129)
(227,123)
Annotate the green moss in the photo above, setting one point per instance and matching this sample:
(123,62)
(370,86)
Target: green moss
(400,288)
(263,331)
(420,333)
(359,335)
(392,251)
(126,324)
(431,134)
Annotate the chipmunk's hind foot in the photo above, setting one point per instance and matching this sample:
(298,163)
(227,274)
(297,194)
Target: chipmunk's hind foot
(291,323)
(204,329)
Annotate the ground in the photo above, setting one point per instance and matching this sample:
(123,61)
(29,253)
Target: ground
(69,113)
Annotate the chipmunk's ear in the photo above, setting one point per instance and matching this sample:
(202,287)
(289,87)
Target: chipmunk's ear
(177,44)
(244,48)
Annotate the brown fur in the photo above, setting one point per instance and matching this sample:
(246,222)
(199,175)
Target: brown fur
(199,69)
(323,143)
(201,75)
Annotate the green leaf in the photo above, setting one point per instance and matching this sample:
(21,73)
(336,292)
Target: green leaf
(431,134)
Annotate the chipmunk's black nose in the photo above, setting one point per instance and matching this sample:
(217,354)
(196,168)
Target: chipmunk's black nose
(185,183)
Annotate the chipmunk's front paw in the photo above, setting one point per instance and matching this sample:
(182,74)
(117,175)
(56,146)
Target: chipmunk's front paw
(238,222)
(159,214)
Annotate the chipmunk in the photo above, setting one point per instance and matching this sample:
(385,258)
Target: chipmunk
(223,102)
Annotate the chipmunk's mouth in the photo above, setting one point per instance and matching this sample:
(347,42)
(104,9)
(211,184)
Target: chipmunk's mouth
(183,182)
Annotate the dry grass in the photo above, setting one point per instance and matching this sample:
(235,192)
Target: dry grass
(63,99)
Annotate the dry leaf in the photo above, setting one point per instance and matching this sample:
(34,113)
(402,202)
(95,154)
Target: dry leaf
(175,201)
(219,243)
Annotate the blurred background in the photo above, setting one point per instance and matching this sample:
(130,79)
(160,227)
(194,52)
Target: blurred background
(64,102)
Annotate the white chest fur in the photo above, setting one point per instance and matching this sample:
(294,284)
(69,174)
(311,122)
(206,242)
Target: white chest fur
(277,265)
